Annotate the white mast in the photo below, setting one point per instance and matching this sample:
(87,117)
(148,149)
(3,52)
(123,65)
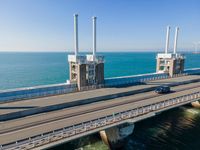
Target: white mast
(175,40)
(167,40)
(76,34)
(94,35)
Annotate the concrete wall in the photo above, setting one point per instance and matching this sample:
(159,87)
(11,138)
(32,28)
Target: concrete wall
(182,66)
(135,79)
(37,91)
(192,71)
(131,80)
(157,65)
(176,66)
(100,73)
(81,75)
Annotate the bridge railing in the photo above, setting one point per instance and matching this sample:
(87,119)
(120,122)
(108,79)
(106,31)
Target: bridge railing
(37,91)
(192,71)
(138,79)
(92,87)
(63,88)
(112,119)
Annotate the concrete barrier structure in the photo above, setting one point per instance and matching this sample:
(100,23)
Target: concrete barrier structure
(134,79)
(63,88)
(35,92)
(192,71)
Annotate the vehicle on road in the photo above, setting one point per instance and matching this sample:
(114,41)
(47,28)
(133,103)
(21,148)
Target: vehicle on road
(162,89)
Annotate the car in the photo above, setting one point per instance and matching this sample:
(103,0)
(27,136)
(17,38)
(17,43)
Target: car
(162,89)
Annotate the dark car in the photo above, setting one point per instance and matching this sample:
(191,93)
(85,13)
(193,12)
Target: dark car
(162,89)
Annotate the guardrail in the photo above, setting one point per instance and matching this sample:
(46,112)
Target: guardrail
(92,87)
(37,91)
(192,71)
(126,80)
(84,127)
(138,79)
(63,88)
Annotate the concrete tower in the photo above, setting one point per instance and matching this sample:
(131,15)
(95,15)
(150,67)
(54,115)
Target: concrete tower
(95,66)
(85,70)
(172,63)
(77,62)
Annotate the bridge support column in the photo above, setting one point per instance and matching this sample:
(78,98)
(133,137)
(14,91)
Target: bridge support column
(114,137)
(196,104)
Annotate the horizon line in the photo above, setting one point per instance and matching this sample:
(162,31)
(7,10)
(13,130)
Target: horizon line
(86,51)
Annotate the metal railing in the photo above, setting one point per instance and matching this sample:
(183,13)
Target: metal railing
(98,123)
(48,90)
(91,87)
(34,92)
(63,88)
(138,80)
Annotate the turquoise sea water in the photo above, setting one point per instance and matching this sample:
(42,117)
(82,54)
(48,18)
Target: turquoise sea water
(177,129)
(31,69)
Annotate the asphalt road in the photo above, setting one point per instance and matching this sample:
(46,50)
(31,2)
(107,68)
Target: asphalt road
(33,125)
(16,106)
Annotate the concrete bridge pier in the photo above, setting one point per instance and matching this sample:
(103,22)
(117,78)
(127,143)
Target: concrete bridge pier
(114,137)
(196,104)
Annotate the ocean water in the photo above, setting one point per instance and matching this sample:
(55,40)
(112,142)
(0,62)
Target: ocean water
(177,129)
(31,69)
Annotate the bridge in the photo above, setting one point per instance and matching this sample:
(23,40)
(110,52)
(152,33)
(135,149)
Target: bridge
(89,111)
(45,116)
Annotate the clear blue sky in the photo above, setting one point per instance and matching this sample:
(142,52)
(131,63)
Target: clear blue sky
(47,25)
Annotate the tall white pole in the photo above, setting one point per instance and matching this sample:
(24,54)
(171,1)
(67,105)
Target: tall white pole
(167,40)
(76,33)
(94,35)
(175,40)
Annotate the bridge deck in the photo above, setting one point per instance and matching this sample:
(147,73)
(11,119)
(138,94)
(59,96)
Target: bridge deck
(33,125)
(71,97)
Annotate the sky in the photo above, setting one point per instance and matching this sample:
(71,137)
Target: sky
(122,25)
